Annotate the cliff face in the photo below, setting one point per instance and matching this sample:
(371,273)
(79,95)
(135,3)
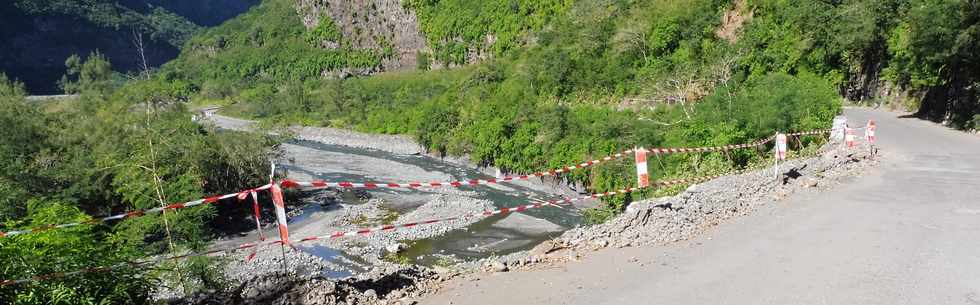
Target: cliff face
(371,24)
(36,41)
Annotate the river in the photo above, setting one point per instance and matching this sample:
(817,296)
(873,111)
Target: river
(495,235)
(338,155)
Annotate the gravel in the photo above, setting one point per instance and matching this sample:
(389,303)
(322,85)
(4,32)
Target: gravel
(391,143)
(647,222)
(384,285)
(701,206)
(440,206)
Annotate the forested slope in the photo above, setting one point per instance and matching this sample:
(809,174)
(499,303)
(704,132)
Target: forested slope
(550,82)
(39,35)
(108,151)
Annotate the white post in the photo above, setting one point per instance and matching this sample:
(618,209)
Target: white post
(780,152)
(775,170)
(642,175)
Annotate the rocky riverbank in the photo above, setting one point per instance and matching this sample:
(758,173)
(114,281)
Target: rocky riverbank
(396,144)
(700,207)
(646,222)
(325,211)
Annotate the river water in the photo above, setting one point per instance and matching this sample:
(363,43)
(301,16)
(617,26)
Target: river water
(495,235)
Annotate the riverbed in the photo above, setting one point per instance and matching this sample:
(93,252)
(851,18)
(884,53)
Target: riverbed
(340,155)
(495,235)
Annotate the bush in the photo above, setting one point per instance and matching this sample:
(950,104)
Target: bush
(63,251)
(116,149)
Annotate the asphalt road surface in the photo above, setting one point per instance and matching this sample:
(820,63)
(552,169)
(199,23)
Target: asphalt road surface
(907,232)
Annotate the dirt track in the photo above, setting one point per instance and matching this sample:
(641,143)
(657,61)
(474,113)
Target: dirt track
(907,232)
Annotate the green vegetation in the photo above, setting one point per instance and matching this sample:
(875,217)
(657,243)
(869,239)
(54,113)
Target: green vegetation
(264,46)
(397,258)
(920,49)
(563,99)
(159,23)
(455,27)
(116,149)
(933,53)
(326,30)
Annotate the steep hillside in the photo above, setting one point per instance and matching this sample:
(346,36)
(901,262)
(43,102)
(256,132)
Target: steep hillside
(679,71)
(328,39)
(383,25)
(560,80)
(664,72)
(39,35)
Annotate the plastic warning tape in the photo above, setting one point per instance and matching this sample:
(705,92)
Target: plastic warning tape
(808,133)
(368,231)
(520,208)
(136,213)
(663,151)
(320,184)
(334,235)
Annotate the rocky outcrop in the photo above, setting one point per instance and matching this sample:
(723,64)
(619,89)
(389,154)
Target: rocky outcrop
(371,24)
(733,20)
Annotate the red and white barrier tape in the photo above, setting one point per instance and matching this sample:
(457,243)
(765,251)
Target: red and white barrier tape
(335,235)
(256,211)
(664,151)
(368,231)
(136,213)
(320,184)
(808,133)
(280,213)
(277,198)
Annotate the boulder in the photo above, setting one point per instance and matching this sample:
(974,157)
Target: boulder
(395,248)
(497,266)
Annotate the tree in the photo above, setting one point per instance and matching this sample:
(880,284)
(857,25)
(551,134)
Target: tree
(23,137)
(91,75)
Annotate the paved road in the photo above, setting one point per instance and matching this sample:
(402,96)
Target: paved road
(907,232)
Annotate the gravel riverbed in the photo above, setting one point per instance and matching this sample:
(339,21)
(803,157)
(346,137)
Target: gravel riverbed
(648,222)
(325,211)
